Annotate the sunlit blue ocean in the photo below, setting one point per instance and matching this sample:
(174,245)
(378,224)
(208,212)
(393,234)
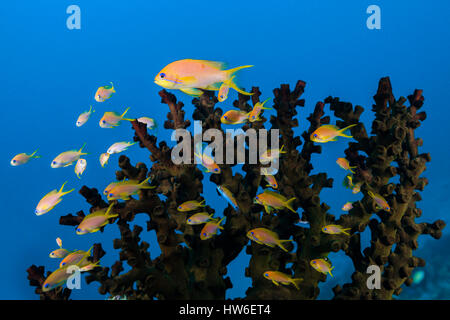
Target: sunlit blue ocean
(50,73)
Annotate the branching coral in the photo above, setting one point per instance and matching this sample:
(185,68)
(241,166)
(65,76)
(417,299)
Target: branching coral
(191,268)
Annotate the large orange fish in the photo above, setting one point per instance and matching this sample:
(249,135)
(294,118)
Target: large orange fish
(328,133)
(190,75)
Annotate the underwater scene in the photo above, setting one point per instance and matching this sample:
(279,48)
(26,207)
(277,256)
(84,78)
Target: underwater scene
(208,150)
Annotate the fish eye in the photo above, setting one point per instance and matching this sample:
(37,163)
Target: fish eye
(324,229)
(180,207)
(225,117)
(315,135)
(314,261)
(111,195)
(79,230)
(63,264)
(216,169)
(52,254)
(162,75)
(54,162)
(189,220)
(204,234)
(252,233)
(14,161)
(46,285)
(266,274)
(103,121)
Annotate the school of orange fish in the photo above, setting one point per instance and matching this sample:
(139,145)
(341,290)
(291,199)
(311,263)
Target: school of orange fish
(191,77)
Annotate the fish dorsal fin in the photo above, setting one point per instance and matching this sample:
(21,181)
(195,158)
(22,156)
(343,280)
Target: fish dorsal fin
(215,64)
(331,126)
(272,193)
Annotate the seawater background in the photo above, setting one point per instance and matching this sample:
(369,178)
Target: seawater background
(49,76)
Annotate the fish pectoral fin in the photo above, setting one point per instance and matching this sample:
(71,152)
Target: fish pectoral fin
(194,92)
(275,283)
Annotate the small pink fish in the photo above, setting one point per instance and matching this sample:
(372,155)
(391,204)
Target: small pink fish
(272,154)
(335,229)
(256,111)
(266,237)
(104,93)
(278,277)
(344,164)
(381,203)
(328,133)
(200,218)
(191,205)
(112,119)
(210,229)
(234,117)
(348,206)
(322,266)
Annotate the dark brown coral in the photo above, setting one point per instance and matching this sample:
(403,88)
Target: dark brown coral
(190,268)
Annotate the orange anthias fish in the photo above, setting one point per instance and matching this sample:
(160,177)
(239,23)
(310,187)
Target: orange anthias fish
(57,278)
(206,160)
(223,90)
(270,199)
(278,277)
(67,158)
(191,205)
(234,117)
(272,154)
(189,75)
(228,195)
(322,266)
(381,203)
(210,229)
(95,220)
(256,111)
(200,218)
(23,158)
(347,206)
(112,119)
(344,164)
(335,229)
(266,237)
(104,93)
(124,191)
(328,133)
(76,257)
(113,184)
(61,252)
(50,200)
(272,182)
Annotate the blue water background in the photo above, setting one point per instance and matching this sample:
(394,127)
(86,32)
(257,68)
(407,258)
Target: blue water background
(49,75)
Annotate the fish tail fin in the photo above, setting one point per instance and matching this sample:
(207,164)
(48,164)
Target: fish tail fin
(62,187)
(202,203)
(219,222)
(344,231)
(280,244)
(231,81)
(91,110)
(350,168)
(124,113)
(370,193)
(112,87)
(88,253)
(84,144)
(144,184)
(296,281)
(289,204)
(329,271)
(281,149)
(33,154)
(341,131)
(262,105)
